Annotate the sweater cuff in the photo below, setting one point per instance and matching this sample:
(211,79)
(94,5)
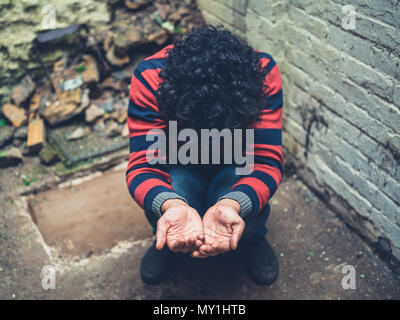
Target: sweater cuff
(243,199)
(161,198)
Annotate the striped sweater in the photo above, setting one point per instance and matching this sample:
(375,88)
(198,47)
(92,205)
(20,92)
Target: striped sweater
(149,185)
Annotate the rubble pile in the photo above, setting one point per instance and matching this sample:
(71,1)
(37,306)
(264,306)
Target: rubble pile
(85,95)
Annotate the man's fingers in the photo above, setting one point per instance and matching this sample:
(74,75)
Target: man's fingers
(191,243)
(199,243)
(186,248)
(160,241)
(176,245)
(173,245)
(198,254)
(161,235)
(237,231)
(208,250)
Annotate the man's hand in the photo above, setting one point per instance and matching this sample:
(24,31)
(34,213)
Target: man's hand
(223,228)
(180,227)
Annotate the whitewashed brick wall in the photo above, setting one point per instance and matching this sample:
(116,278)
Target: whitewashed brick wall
(342,94)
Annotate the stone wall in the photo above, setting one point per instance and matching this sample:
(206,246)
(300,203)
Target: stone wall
(20,20)
(341,101)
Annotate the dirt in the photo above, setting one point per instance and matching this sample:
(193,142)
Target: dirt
(311,242)
(90,217)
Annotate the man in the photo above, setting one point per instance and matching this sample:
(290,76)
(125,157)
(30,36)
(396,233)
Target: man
(210,79)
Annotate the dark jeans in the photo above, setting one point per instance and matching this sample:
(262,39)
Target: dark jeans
(203,185)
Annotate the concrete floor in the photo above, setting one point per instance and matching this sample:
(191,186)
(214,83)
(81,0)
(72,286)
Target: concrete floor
(312,245)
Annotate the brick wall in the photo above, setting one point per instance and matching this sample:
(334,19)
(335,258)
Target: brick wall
(342,101)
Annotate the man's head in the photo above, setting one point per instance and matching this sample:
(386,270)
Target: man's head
(212,79)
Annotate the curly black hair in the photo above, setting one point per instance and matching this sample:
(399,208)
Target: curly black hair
(212,79)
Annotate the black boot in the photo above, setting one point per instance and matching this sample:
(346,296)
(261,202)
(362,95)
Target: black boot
(156,264)
(260,262)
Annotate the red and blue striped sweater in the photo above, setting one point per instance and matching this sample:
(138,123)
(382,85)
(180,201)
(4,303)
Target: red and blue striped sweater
(150,186)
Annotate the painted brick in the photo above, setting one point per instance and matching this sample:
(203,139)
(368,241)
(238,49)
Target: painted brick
(351,80)
(383,10)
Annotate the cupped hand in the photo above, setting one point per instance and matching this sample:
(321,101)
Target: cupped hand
(223,228)
(180,227)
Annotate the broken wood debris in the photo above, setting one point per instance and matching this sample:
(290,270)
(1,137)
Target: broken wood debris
(10,157)
(14,114)
(23,91)
(87,89)
(90,72)
(36,134)
(93,113)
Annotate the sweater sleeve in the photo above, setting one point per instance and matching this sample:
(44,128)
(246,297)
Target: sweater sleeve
(255,190)
(148,184)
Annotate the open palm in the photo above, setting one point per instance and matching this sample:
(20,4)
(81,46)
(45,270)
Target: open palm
(223,228)
(181,228)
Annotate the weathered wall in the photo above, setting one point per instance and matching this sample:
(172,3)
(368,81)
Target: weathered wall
(20,20)
(342,100)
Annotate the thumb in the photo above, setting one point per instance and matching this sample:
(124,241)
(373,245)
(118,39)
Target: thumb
(237,231)
(161,235)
